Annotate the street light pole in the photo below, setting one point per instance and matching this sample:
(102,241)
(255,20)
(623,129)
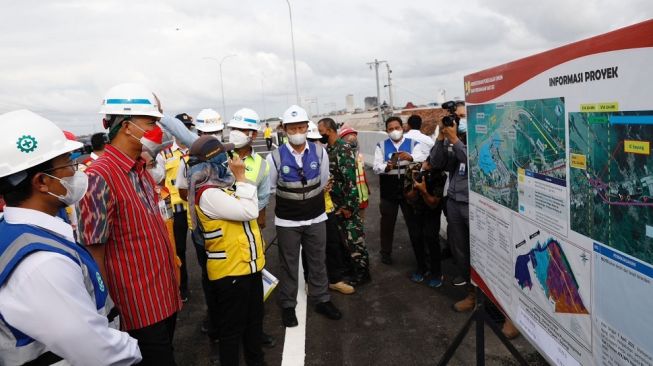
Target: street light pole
(224,108)
(294,60)
(392,106)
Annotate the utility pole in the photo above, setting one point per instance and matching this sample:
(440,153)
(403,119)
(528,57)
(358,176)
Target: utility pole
(294,59)
(376,64)
(392,106)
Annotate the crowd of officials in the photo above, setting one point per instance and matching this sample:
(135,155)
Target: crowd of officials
(96,250)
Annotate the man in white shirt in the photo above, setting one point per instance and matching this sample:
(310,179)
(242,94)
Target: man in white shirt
(412,130)
(299,170)
(52,296)
(391,159)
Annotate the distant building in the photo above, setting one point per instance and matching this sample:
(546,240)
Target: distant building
(371,103)
(441,96)
(349,103)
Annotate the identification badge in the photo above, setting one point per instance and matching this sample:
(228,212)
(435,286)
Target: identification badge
(165,212)
(461,169)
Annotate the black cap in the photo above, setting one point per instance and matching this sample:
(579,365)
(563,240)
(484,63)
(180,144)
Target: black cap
(206,147)
(185,118)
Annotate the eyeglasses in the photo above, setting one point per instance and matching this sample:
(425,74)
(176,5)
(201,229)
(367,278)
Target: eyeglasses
(73,165)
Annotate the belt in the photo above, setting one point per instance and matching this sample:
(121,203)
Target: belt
(178,207)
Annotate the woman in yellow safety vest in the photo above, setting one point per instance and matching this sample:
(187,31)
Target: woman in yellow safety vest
(224,219)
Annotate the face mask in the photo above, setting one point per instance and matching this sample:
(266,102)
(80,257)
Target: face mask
(324,139)
(354,145)
(158,173)
(75,185)
(152,140)
(239,138)
(462,125)
(297,139)
(396,135)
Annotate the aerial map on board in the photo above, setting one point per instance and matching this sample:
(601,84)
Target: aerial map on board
(611,178)
(555,276)
(504,137)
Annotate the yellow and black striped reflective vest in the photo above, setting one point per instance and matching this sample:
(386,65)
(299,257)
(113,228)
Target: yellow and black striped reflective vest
(233,248)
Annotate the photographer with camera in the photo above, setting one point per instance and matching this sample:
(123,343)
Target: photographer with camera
(450,154)
(424,190)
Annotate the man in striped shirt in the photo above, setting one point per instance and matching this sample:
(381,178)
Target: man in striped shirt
(122,226)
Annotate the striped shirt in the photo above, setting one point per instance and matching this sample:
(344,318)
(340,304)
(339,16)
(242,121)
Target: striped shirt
(120,210)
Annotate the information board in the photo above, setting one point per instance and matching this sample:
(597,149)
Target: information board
(561,196)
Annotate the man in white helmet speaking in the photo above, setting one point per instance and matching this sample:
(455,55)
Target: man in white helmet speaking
(52,295)
(299,171)
(122,226)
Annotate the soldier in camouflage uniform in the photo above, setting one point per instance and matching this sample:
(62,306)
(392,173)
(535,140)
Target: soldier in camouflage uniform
(342,166)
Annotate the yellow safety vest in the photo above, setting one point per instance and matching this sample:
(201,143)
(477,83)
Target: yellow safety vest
(328,203)
(267,133)
(361,180)
(256,168)
(234,248)
(173,160)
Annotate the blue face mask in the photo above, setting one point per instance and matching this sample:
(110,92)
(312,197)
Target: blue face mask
(462,125)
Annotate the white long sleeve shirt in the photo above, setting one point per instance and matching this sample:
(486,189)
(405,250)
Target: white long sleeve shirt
(45,298)
(380,161)
(324,179)
(242,206)
(423,147)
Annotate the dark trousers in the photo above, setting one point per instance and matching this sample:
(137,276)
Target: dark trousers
(239,314)
(268,142)
(458,234)
(389,210)
(427,237)
(155,342)
(208,294)
(180,229)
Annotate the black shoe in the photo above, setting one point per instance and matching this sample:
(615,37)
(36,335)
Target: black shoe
(204,328)
(329,310)
(459,281)
(289,318)
(268,341)
(386,259)
(361,278)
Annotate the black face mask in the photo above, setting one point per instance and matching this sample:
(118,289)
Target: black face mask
(324,139)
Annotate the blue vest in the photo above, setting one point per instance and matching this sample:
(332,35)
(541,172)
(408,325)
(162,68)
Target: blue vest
(16,243)
(391,183)
(299,195)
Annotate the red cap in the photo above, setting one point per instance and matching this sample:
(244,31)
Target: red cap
(346,131)
(70,136)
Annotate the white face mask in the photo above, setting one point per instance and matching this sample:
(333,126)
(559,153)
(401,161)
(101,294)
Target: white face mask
(396,135)
(239,138)
(158,173)
(462,125)
(75,185)
(297,139)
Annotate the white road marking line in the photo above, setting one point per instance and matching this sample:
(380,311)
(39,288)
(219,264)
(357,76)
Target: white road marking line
(294,344)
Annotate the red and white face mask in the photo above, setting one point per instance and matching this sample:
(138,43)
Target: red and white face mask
(152,140)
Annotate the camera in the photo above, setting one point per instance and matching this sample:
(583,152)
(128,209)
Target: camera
(452,117)
(419,176)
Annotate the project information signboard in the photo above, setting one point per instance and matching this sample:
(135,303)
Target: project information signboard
(561,196)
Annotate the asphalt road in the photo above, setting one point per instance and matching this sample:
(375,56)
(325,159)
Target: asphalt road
(391,321)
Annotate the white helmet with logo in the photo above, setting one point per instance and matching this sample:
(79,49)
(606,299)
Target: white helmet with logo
(313,132)
(245,118)
(28,140)
(130,99)
(294,114)
(208,120)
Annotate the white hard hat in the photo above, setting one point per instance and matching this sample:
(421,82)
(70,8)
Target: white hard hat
(208,120)
(313,132)
(28,140)
(294,114)
(130,99)
(245,118)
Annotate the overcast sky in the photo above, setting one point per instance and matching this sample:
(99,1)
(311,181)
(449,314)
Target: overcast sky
(58,57)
